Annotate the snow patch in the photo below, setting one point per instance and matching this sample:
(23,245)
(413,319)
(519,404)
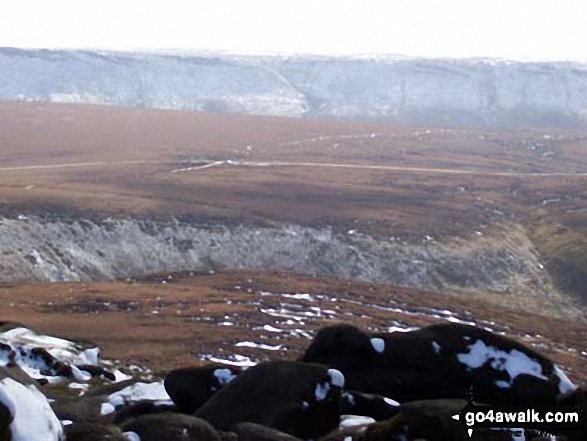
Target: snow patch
(34,419)
(224,376)
(322,390)
(249,344)
(565,385)
(391,402)
(378,344)
(348,421)
(154,392)
(336,377)
(131,436)
(106,409)
(514,362)
(239,360)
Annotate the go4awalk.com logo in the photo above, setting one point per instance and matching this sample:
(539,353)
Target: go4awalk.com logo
(516,419)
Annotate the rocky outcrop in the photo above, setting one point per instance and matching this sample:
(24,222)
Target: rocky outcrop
(440,361)
(190,388)
(290,400)
(83,250)
(301,399)
(410,91)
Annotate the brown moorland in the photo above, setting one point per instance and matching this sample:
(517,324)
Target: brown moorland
(77,160)
(174,320)
(405,182)
(438,181)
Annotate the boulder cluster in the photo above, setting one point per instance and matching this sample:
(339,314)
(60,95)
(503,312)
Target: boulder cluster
(348,386)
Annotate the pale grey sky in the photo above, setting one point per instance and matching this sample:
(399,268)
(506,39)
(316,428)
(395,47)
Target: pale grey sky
(511,29)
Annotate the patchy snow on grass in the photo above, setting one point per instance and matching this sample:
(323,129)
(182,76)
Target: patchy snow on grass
(299,296)
(34,420)
(237,360)
(250,344)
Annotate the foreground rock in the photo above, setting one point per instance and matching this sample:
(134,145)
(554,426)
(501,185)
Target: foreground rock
(171,427)
(429,371)
(93,432)
(440,361)
(190,388)
(300,399)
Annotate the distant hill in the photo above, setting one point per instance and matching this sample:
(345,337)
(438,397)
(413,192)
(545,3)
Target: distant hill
(405,91)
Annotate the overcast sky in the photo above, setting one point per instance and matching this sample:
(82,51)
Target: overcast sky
(511,29)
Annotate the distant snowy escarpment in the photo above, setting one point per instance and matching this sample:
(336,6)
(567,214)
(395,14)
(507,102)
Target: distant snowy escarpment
(407,91)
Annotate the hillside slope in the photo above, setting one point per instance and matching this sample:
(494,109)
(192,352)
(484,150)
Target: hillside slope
(409,91)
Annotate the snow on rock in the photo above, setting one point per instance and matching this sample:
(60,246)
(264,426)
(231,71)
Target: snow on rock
(28,347)
(565,385)
(348,421)
(106,409)
(34,419)
(131,436)
(391,402)
(322,390)
(436,347)
(514,362)
(224,376)
(378,344)
(154,392)
(336,377)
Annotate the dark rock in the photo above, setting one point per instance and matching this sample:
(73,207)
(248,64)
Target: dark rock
(300,399)
(8,325)
(414,424)
(17,374)
(190,388)
(109,389)
(440,361)
(8,353)
(228,436)
(140,408)
(257,432)
(92,432)
(5,421)
(171,427)
(85,409)
(52,366)
(97,371)
(577,400)
(375,406)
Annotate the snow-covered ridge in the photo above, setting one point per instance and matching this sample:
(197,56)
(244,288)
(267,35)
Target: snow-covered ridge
(403,90)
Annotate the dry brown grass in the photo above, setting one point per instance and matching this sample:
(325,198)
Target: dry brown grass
(378,201)
(101,312)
